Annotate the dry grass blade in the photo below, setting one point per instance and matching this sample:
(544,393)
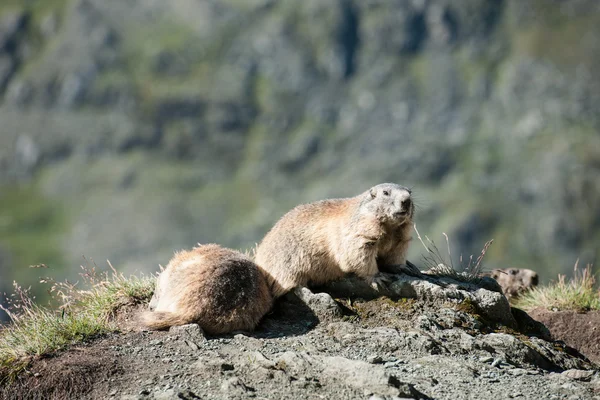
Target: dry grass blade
(439,266)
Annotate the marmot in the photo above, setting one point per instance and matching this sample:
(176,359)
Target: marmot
(515,281)
(220,289)
(320,242)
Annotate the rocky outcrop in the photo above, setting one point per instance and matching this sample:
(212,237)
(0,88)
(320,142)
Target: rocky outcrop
(489,302)
(313,345)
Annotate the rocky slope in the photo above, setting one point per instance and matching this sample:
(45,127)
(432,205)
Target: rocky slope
(433,338)
(131,129)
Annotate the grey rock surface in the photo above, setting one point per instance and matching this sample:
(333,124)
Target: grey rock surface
(492,305)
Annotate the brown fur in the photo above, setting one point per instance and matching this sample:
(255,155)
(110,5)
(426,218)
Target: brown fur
(322,241)
(514,281)
(220,289)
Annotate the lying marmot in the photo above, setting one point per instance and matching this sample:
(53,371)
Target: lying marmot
(320,242)
(220,289)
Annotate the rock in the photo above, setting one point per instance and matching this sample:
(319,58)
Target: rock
(192,345)
(259,358)
(235,386)
(517,371)
(322,304)
(490,284)
(578,374)
(293,363)
(363,375)
(192,334)
(492,305)
(214,365)
(561,357)
(535,353)
(498,362)
(374,359)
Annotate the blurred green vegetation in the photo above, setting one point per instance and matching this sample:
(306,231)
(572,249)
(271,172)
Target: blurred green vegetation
(197,121)
(38,9)
(31,229)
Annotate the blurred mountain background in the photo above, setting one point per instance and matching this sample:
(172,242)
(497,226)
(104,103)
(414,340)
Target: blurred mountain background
(133,128)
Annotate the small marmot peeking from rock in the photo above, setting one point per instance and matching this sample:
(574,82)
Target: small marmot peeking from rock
(514,281)
(220,289)
(320,242)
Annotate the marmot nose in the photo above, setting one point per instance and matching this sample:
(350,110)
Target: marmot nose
(406,204)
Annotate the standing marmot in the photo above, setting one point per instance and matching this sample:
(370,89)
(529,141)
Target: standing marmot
(322,241)
(220,289)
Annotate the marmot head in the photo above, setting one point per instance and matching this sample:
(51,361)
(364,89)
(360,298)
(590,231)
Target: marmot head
(391,203)
(515,281)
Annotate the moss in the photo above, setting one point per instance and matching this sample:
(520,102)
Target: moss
(510,331)
(402,303)
(350,318)
(468,307)
(372,309)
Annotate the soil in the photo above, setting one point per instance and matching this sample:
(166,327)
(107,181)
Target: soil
(578,330)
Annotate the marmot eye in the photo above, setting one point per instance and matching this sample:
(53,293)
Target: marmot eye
(386,193)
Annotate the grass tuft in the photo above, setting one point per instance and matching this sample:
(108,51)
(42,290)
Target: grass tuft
(82,314)
(580,293)
(471,272)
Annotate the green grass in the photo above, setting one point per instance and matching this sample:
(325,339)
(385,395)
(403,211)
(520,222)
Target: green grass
(580,293)
(82,314)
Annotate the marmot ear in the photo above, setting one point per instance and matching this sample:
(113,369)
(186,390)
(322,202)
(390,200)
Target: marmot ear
(373,193)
